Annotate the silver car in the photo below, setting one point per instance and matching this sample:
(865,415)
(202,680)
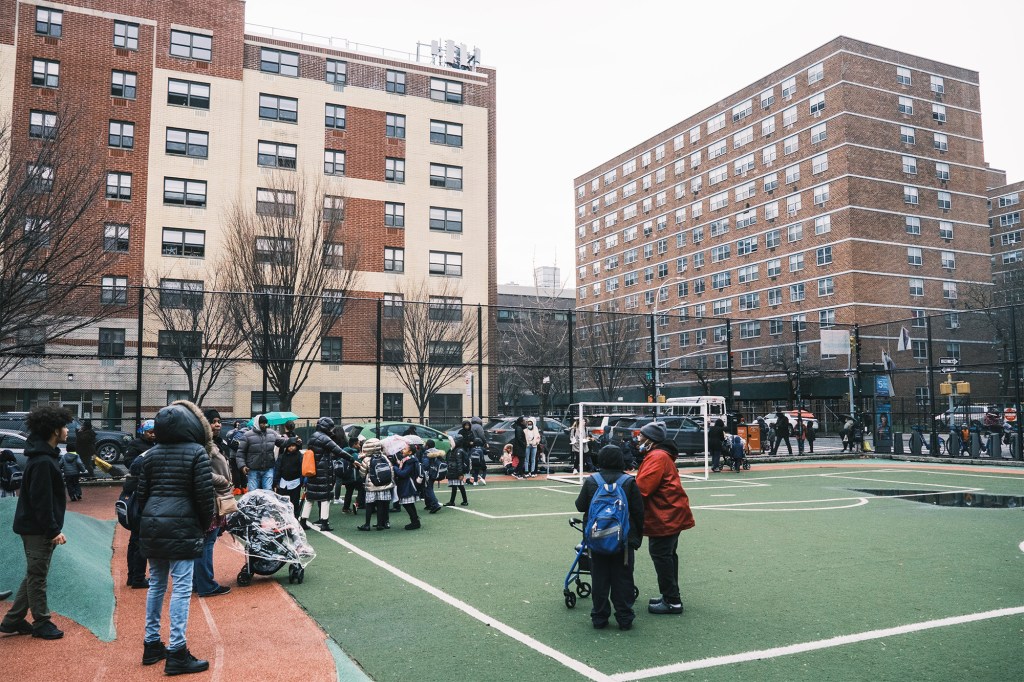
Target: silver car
(15,441)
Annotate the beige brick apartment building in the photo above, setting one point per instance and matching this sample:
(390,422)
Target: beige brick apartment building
(195,111)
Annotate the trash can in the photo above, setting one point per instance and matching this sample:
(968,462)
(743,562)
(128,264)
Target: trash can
(897,443)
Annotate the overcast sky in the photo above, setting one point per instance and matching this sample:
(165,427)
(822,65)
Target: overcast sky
(580,82)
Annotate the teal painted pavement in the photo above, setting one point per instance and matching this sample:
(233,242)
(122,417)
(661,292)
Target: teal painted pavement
(80,586)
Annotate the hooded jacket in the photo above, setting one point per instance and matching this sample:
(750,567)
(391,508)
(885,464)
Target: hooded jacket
(519,439)
(175,491)
(41,504)
(289,463)
(320,486)
(256,448)
(477,425)
(532,436)
(71,464)
(666,505)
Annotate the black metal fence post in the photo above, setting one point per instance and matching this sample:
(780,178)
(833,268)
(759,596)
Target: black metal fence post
(266,348)
(728,365)
(139,330)
(479,361)
(571,321)
(933,445)
(380,357)
(1016,367)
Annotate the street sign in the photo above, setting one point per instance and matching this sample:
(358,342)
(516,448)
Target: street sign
(850,373)
(949,370)
(949,362)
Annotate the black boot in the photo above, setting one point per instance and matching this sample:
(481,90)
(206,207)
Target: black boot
(325,526)
(153,652)
(414,519)
(302,522)
(181,662)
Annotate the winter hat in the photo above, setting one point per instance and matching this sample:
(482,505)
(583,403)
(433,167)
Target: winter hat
(211,414)
(371,446)
(655,431)
(325,424)
(610,457)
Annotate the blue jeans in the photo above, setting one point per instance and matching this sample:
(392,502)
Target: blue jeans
(202,575)
(261,480)
(180,571)
(531,459)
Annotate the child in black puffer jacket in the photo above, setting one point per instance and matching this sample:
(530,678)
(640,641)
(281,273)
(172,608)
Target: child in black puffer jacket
(73,469)
(289,473)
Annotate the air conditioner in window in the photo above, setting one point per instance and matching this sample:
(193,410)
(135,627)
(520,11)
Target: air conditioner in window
(817,114)
(791,212)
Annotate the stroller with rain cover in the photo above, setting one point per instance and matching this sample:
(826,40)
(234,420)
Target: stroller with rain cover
(581,568)
(269,536)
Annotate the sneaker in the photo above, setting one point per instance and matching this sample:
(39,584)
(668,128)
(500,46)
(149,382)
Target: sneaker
(139,585)
(600,625)
(465,504)
(665,608)
(47,630)
(483,481)
(153,652)
(655,600)
(434,510)
(181,662)
(625,626)
(221,589)
(412,526)
(18,627)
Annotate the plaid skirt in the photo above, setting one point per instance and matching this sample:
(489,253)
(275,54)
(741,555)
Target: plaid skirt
(456,483)
(409,500)
(380,495)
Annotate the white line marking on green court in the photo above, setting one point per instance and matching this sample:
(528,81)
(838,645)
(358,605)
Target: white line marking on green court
(761,506)
(813,646)
(521,637)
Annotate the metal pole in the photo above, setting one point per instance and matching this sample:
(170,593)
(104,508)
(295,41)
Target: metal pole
(138,357)
(266,347)
(799,395)
(380,355)
(933,445)
(1016,375)
(479,361)
(728,363)
(571,321)
(654,358)
(854,367)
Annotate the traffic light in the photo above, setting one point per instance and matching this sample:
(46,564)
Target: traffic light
(853,344)
(732,358)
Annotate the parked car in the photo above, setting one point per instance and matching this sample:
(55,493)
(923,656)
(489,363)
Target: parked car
(962,414)
(685,432)
(110,445)
(15,441)
(792,415)
(370,430)
(554,434)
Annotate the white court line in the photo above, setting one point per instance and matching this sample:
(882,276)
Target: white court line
(559,490)
(218,649)
(514,516)
(813,646)
(521,637)
(760,506)
(883,480)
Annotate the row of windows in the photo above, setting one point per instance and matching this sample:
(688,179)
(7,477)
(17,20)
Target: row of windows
(741,111)
(199,47)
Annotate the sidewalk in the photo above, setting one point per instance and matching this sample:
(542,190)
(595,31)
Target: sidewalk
(253,633)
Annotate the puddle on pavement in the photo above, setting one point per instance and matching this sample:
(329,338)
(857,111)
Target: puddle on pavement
(951,499)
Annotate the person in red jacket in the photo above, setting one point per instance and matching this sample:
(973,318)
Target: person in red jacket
(666,513)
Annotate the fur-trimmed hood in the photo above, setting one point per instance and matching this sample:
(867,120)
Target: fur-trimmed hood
(183,422)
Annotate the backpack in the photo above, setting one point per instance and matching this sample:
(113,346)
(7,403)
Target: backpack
(476,456)
(10,477)
(380,471)
(127,508)
(438,468)
(608,517)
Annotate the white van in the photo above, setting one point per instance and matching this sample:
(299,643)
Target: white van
(690,406)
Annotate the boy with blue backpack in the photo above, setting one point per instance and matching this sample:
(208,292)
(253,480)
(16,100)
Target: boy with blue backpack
(613,528)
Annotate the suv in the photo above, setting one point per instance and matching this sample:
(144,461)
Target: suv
(554,435)
(962,414)
(110,445)
(683,431)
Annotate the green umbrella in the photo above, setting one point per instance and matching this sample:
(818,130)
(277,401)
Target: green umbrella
(276,418)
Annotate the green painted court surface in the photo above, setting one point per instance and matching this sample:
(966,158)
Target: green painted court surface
(791,573)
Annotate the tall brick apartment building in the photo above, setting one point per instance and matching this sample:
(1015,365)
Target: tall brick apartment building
(195,113)
(1007,245)
(847,187)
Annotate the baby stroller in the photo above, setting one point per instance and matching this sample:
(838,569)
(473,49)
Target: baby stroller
(735,453)
(581,568)
(269,536)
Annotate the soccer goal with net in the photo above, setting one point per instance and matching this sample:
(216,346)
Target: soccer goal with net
(589,420)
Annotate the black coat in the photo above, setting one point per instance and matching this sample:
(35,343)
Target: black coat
(320,487)
(136,447)
(519,441)
(41,502)
(782,426)
(175,491)
(85,441)
(458,464)
(716,437)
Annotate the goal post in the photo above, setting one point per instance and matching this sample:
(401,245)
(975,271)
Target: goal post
(587,421)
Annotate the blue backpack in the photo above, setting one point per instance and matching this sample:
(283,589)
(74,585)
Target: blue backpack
(608,517)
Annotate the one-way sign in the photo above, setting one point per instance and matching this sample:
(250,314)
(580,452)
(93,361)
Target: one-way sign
(949,362)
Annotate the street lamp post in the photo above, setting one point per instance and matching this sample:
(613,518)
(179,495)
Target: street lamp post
(656,374)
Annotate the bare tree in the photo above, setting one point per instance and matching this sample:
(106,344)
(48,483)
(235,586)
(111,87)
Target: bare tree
(288,252)
(51,240)
(428,340)
(204,342)
(534,348)
(609,347)
(990,305)
(783,360)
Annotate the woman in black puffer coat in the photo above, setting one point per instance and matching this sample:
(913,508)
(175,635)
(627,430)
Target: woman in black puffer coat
(320,486)
(175,490)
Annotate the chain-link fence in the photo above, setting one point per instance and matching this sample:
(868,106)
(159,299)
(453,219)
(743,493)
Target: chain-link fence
(363,359)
